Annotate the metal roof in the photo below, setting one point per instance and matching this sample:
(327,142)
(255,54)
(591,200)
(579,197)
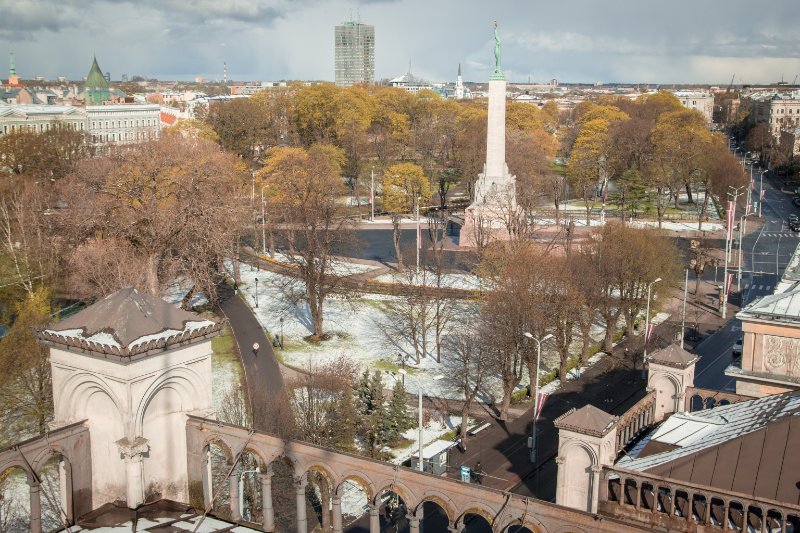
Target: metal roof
(588,419)
(129,322)
(673,355)
(748,447)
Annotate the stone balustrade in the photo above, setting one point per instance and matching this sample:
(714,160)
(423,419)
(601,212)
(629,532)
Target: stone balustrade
(697,398)
(635,420)
(684,507)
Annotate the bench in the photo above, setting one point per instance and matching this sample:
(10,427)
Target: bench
(478,429)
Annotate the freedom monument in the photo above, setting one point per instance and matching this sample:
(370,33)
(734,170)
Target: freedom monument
(495,190)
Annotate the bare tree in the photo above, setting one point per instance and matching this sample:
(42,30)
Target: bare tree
(176,203)
(465,368)
(305,186)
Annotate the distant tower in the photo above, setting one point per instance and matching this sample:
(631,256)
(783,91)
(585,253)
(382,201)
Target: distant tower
(13,79)
(354,53)
(225,72)
(459,85)
(96,89)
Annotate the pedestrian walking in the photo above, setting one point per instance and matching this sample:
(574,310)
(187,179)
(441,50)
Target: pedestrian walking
(478,473)
(255,348)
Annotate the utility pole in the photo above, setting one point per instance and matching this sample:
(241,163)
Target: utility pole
(683,313)
(372,196)
(419,233)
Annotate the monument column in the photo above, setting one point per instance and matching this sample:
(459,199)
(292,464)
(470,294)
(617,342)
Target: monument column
(266,501)
(131,452)
(300,492)
(36,507)
(337,514)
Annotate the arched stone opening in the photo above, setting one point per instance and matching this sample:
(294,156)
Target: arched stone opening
(246,477)
(289,495)
(352,498)
(55,474)
(15,502)
(216,478)
(435,511)
(391,509)
(320,492)
(696,403)
(476,521)
(518,528)
(577,490)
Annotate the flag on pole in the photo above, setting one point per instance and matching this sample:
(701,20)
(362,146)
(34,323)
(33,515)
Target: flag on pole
(752,184)
(650,329)
(728,284)
(748,209)
(540,399)
(729,220)
(761,195)
(372,192)
(419,235)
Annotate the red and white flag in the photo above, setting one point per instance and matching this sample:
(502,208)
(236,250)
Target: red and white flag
(761,195)
(729,220)
(542,397)
(650,329)
(728,284)
(749,208)
(752,184)
(372,193)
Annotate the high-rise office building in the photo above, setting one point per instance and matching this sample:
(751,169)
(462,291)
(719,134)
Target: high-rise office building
(355,53)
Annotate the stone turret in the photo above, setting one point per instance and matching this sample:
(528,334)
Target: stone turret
(133,366)
(586,442)
(670,372)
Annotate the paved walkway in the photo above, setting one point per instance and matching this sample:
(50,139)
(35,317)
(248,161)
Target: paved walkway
(263,378)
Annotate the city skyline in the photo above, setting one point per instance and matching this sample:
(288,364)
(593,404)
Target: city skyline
(576,41)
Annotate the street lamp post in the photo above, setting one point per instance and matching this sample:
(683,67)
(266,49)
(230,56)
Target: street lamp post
(263,222)
(420,463)
(281,321)
(256,296)
(761,194)
(536,390)
(647,325)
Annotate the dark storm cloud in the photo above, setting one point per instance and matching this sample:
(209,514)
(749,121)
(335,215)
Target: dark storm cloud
(572,40)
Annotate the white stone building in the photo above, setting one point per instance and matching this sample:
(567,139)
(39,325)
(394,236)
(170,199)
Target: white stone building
(698,100)
(779,110)
(40,118)
(410,83)
(124,123)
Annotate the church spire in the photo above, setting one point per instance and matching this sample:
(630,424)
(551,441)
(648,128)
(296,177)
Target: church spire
(459,69)
(12,69)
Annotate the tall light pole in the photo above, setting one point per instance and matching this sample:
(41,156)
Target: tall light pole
(683,313)
(263,222)
(536,390)
(734,193)
(761,195)
(647,325)
(420,462)
(256,298)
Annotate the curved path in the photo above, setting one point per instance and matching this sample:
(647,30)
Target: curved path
(263,379)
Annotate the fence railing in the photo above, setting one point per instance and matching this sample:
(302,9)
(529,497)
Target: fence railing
(673,505)
(697,398)
(635,420)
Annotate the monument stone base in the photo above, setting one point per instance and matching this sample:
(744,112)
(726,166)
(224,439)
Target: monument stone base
(482,226)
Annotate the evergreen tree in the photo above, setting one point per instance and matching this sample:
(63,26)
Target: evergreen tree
(346,419)
(399,417)
(364,394)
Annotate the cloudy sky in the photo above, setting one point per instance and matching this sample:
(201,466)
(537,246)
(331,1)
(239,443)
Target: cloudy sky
(681,41)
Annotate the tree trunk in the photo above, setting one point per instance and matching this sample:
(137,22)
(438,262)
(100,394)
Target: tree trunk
(608,340)
(153,263)
(396,241)
(464,421)
(702,213)
(505,403)
(689,191)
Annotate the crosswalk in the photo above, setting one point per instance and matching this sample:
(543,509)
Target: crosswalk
(757,287)
(785,235)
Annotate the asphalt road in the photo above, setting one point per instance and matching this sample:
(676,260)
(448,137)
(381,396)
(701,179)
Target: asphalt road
(263,378)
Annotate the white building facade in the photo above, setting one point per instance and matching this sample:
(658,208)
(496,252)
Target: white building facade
(124,123)
(779,110)
(699,101)
(40,118)
(354,47)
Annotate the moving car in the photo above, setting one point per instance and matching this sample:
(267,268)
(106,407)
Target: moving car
(737,348)
(794,225)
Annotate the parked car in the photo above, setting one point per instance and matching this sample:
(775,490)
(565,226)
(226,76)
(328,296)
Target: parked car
(796,201)
(737,348)
(793,218)
(794,225)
